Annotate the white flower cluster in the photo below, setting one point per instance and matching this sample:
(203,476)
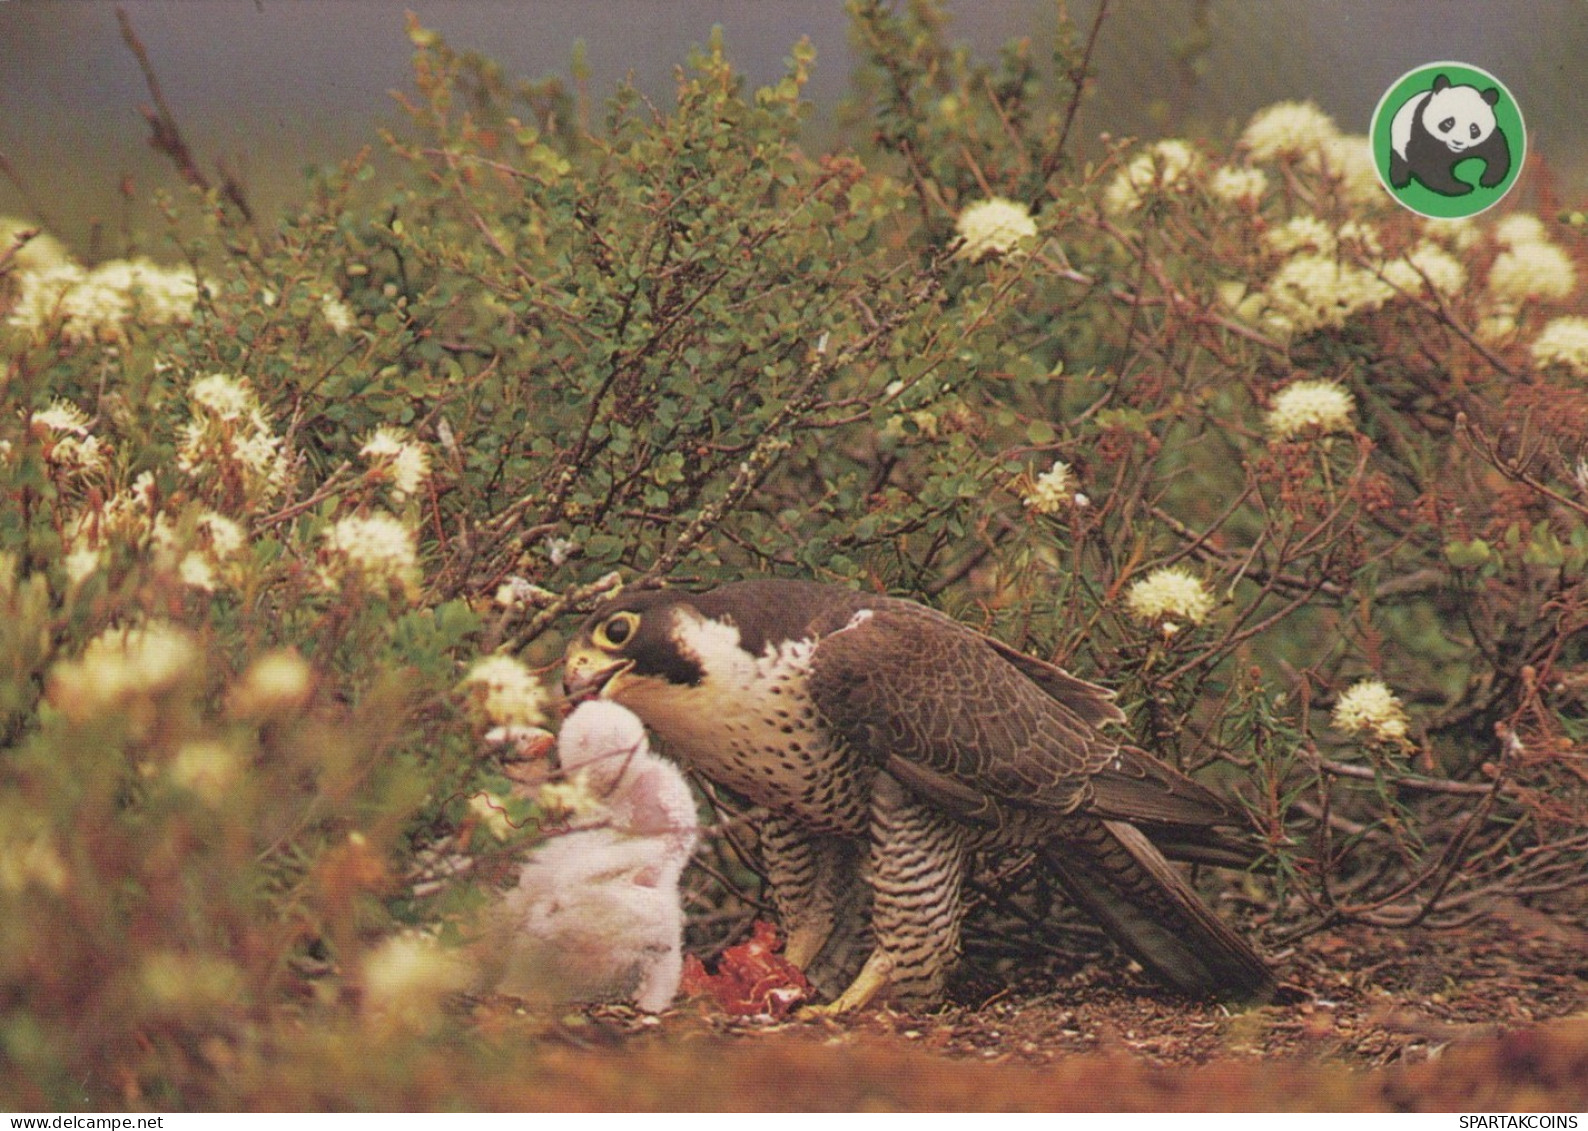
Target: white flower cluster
(1235,184)
(277,680)
(229,443)
(1530,267)
(376,550)
(206,768)
(220,544)
(1301,232)
(1053,491)
(1287,129)
(1426,266)
(1310,408)
(1333,274)
(70,448)
(338,315)
(994,227)
(1520,228)
(1301,133)
(1369,708)
(404,978)
(508,692)
(97,305)
(1164,165)
(129,516)
(1564,342)
(402,461)
(212,550)
(1169,596)
(1347,161)
(40,253)
(1311,291)
(120,666)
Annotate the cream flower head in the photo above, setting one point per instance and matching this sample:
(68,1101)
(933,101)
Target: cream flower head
(1371,709)
(72,449)
(1166,164)
(509,693)
(1314,408)
(1564,342)
(1348,161)
(227,397)
(1053,491)
(120,665)
(40,253)
(97,304)
(1236,184)
(228,440)
(1313,292)
(1166,597)
(338,315)
(278,680)
(1288,129)
(1532,270)
(1424,266)
(1304,231)
(1520,228)
(405,462)
(377,549)
(994,227)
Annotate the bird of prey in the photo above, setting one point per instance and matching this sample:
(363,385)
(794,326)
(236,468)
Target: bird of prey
(595,915)
(886,744)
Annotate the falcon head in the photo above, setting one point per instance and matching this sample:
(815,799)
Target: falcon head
(656,649)
(629,642)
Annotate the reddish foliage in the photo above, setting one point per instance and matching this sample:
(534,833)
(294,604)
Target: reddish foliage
(752,979)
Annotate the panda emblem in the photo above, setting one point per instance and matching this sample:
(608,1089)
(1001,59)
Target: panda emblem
(1436,130)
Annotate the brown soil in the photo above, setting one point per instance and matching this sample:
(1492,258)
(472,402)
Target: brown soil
(1366,1020)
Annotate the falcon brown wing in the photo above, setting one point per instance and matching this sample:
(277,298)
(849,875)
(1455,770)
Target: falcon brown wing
(953,718)
(976,726)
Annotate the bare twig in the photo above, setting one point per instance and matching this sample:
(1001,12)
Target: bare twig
(165,135)
(1050,163)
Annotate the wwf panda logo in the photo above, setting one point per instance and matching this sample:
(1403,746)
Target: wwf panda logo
(1436,130)
(1448,140)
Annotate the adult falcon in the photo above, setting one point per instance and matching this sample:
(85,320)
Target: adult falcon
(886,743)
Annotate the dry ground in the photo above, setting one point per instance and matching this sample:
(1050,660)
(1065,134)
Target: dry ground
(1493,1017)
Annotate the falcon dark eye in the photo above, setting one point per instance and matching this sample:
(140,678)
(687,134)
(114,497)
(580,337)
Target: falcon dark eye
(615,631)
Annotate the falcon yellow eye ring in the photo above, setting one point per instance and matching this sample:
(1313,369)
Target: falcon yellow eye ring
(616,630)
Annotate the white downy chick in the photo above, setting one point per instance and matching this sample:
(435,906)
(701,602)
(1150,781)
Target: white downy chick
(644,795)
(596,914)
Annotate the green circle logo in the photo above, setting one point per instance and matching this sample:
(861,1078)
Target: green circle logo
(1448,140)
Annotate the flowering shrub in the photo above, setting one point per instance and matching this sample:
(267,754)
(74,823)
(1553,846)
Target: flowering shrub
(294,533)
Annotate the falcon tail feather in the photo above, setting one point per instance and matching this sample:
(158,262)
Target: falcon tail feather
(1113,872)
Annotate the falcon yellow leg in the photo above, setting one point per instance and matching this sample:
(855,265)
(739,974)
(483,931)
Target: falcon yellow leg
(874,977)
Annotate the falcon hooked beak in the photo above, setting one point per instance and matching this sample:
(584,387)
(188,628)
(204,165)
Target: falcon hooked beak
(586,677)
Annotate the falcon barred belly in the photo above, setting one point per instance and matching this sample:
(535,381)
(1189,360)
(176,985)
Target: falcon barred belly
(886,743)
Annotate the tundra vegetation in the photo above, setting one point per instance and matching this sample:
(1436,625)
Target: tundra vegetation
(297,516)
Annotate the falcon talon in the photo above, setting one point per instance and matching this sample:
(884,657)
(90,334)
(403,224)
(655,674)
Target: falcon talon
(887,744)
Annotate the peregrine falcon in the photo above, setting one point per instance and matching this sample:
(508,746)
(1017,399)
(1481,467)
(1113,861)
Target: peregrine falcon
(886,743)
